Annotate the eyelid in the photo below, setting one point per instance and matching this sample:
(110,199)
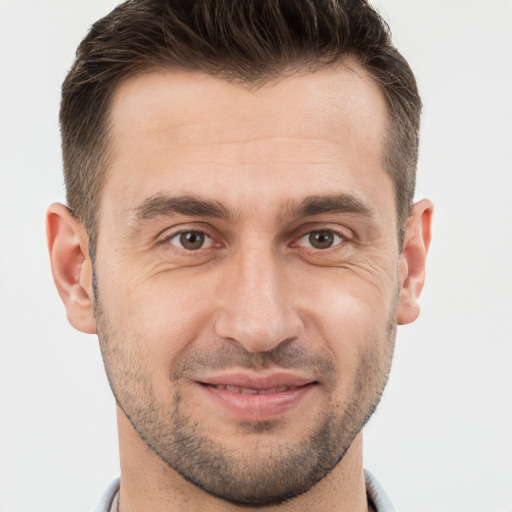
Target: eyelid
(339,239)
(346,234)
(208,240)
(165,236)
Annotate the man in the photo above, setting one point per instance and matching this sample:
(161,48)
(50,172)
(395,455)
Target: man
(241,236)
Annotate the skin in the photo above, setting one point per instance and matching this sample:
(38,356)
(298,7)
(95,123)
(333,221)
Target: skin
(257,298)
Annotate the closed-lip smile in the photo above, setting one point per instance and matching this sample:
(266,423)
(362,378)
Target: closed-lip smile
(257,397)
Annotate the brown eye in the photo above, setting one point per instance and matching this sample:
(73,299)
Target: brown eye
(191,240)
(321,239)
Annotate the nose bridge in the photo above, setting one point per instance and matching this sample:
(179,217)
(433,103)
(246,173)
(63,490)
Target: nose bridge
(256,309)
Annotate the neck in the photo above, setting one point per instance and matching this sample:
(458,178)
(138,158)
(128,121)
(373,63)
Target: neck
(148,484)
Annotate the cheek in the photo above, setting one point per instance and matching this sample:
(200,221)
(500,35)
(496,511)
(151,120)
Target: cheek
(161,316)
(359,336)
(351,315)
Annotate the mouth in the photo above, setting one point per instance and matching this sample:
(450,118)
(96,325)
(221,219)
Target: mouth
(252,391)
(257,398)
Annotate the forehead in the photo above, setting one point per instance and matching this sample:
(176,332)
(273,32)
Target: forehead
(191,134)
(303,104)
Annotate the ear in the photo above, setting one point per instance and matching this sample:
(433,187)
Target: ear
(71,266)
(412,260)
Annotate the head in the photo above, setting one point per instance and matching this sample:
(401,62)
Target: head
(241,237)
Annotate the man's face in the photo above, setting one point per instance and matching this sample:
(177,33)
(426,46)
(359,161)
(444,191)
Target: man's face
(247,274)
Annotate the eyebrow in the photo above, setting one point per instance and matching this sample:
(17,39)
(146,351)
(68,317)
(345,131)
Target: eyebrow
(164,205)
(337,203)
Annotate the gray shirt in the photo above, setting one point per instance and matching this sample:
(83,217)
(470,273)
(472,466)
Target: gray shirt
(375,492)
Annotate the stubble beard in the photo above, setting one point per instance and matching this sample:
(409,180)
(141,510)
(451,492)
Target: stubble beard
(271,474)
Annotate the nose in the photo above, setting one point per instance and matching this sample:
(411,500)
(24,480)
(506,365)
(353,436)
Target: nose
(257,307)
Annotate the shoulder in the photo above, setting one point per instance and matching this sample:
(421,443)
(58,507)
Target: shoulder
(106,500)
(377,495)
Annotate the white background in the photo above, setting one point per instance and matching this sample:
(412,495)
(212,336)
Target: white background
(441,439)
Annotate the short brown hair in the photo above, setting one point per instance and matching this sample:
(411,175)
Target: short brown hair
(252,41)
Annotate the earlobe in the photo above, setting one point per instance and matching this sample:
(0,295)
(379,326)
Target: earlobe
(71,266)
(413,258)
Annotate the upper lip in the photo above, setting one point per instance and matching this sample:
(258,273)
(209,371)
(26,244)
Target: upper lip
(257,381)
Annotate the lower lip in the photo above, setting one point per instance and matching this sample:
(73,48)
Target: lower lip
(252,407)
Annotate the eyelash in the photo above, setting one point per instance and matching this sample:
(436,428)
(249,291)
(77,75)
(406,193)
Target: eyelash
(341,238)
(338,240)
(166,242)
